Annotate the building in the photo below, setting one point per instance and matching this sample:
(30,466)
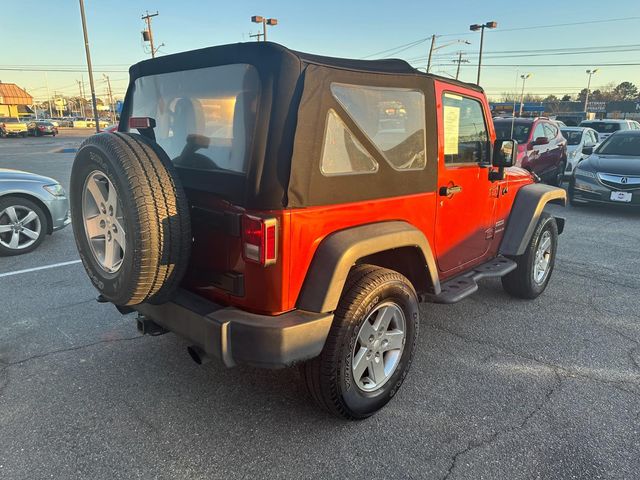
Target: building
(14,101)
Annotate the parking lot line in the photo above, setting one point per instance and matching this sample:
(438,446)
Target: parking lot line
(35,269)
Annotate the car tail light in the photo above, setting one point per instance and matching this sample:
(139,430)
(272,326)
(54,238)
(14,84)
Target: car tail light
(260,239)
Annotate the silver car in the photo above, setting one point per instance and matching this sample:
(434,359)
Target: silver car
(31,206)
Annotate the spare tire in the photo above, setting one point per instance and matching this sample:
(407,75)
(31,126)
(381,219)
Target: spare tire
(130,218)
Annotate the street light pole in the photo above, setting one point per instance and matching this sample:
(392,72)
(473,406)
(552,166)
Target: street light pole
(272,22)
(590,73)
(89,68)
(476,27)
(524,79)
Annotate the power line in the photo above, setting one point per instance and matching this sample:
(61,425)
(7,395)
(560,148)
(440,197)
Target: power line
(501,30)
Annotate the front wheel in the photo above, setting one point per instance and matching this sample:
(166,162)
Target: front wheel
(535,265)
(370,346)
(23,225)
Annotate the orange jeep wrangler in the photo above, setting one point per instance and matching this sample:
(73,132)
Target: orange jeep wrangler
(278,208)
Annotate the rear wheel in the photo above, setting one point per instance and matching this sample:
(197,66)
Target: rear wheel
(23,225)
(130,218)
(370,346)
(535,265)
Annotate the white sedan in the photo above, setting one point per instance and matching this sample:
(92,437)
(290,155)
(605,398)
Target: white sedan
(580,143)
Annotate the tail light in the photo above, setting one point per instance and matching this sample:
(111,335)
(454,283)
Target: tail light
(260,239)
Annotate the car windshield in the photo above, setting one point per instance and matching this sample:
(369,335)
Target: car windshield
(46,124)
(573,136)
(10,120)
(602,127)
(621,144)
(520,134)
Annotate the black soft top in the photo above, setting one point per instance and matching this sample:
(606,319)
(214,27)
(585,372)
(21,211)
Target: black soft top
(255,53)
(292,108)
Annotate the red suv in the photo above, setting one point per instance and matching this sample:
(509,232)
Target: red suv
(541,147)
(279,208)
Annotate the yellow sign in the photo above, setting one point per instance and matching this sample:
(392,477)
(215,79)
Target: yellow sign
(451,128)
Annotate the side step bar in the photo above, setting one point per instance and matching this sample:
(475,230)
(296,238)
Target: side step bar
(462,286)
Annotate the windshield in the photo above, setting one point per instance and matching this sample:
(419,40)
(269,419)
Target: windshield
(9,120)
(204,117)
(520,134)
(621,144)
(573,137)
(602,127)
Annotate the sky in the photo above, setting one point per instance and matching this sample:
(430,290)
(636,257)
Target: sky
(531,37)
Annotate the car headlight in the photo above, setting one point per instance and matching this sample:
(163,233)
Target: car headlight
(584,173)
(55,189)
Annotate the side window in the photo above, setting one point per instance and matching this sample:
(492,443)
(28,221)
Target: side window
(392,118)
(538,132)
(342,153)
(550,131)
(466,139)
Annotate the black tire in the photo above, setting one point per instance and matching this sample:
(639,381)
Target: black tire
(156,217)
(42,217)
(329,377)
(520,282)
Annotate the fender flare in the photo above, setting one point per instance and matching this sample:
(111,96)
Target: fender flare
(525,214)
(338,252)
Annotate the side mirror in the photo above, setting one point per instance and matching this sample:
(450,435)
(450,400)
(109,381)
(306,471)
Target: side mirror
(541,141)
(504,153)
(587,150)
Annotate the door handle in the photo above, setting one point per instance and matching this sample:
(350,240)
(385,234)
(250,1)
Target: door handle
(450,191)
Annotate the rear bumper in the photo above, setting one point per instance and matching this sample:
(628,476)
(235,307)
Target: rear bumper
(238,337)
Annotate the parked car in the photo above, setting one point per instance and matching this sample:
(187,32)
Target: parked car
(41,127)
(611,173)
(578,139)
(52,121)
(12,127)
(300,222)
(110,128)
(31,207)
(608,126)
(541,147)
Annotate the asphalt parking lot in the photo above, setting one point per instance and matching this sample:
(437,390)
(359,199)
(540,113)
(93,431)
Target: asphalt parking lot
(499,388)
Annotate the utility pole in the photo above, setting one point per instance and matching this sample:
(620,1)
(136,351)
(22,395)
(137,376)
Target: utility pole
(111,106)
(81,112)
(433,44)
(88,53)
(147,35)
(46,79)
(459,61)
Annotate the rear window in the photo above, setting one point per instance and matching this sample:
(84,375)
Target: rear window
(205,117)
(602,127)
(508,130)
(573,136)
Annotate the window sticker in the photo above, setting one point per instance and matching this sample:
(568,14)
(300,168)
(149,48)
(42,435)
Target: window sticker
(451,127)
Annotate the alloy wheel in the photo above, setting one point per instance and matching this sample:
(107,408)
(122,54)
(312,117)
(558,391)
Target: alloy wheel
(20,227)
(379,346)
(542,258)
(103,221)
